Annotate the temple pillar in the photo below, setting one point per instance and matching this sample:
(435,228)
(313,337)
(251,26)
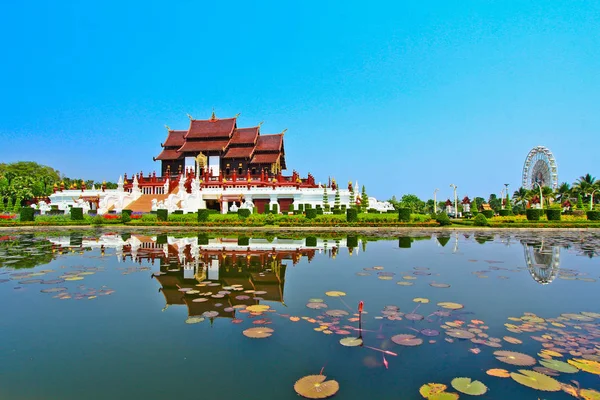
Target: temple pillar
(224,207)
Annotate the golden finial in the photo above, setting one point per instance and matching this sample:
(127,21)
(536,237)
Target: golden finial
(190,117)
(284,131)
(213,117)
(237,115)
(260,123)
(167,126)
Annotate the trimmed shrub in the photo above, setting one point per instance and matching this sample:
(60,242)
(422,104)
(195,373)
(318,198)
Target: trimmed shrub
(351,215)
(404,242)
(126,215)
(178,212)
(352,241)
(243,240)
(533,214)
(275,209)
(26,214)
(553,214)
(97,220)
(372,211)
(162,214)
(311,213)
(593,215)
(319,211)
(337,210)
(301,208)
(161,239)
(245,213)
(488,213)
(311,241)
(404,214)
(202,239)
(442,219)
(307,207)
(481,220)
(505,213)
(291,208)
(203,215)
(327,208)
(77,214)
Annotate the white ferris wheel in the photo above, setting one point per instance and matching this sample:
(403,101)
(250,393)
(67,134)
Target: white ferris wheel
(540,167)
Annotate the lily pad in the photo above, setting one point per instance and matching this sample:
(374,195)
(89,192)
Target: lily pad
(514,358)
(335,293)
(498,372)
(468,386)
(351,341)
(559,366)
(407,340)
(258,332)
(535,380)
(430,389)
(450,306)
(316,387)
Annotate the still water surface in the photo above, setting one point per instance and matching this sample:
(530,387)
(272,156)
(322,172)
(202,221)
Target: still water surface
(153,316)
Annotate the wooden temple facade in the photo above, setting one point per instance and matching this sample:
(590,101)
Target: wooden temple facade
(220,148)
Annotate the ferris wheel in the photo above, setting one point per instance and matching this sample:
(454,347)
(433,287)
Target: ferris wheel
(540,167)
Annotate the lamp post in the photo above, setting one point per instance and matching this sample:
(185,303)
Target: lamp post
(592,199)
(435,201)
(541,195)
(506,193)
(455,200)
(502,199)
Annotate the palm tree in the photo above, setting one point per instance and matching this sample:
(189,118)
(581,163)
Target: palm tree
(520,196)
(563,192)
(548,194)
(584,185)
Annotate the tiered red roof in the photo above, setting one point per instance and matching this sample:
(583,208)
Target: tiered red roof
(223,136)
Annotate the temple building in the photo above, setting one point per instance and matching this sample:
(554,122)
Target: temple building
(220,147)
(215,164)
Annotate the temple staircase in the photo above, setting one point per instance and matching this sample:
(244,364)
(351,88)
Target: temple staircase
(144,203)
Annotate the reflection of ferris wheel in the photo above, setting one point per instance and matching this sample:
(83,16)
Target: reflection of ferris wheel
(540,167)
(543,263)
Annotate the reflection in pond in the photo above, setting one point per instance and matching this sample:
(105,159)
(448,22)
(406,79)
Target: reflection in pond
(449,307)
(543,262)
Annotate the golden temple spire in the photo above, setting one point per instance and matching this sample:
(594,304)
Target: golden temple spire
(167,126)
(190,117)
(237,115)
(213,117)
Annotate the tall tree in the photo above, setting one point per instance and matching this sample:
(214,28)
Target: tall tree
(364,200)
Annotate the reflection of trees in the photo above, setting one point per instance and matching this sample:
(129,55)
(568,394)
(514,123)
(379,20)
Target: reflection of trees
(543,261)
(26,250)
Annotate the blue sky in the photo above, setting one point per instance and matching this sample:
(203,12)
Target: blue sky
(404,97)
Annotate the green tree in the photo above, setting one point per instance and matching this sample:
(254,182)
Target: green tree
(336,200)
(325,199)
(563,192)
(494,202)
(352,199)
(411,201)
(474,206)
(579,202)
(521,196)
(9,205)
(507,205)
(364,200)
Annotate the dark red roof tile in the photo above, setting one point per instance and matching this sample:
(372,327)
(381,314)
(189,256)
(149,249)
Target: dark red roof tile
(245,136)
(169,155)
(239,152)
(269,142)
(203,146)
(267,158)
(175,139)
(218,128)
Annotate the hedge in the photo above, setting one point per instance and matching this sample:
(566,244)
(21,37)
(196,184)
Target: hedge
(178,212)
(404,242)
(77,214)
(553,214)
(481,220)
(275,209)
(593,215)
(351,215)
(488,213)
(161,239)
(162,214)
(311,241)
(311,213)
(505,213)
(443,219)
(337,210)
(203,215)
(202,239)
(352,241)
(319,211)
(404,214)
(126,215)
(245,213)
(26,214)
(533,214)
(301,208)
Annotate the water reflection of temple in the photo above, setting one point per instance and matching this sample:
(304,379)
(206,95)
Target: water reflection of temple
(215,274)
(543,261)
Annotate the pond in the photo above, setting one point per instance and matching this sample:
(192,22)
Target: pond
(154,316)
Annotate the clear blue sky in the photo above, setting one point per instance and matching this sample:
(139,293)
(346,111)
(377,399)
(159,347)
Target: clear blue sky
(402,96)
